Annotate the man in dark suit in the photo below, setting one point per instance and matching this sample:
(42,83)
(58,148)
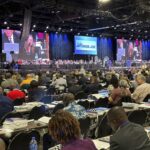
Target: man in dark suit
(128,135)
(10,36)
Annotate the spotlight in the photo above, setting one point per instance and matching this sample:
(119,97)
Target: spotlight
(78,33)
(8,28)
(56,32)
(34,26)
(32,30)
(5,22)
(71,30)
(20,24)
(47,27)
(87,34)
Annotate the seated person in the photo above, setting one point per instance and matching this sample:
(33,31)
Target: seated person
(27,80)
(9,82)
(65,129)
(60,83)
(72,107)
(124,88)
(128,135)
(16,94)
(6,104)
(115,94)
(35,93)
(142,90)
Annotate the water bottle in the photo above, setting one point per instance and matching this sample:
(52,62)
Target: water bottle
(33,144)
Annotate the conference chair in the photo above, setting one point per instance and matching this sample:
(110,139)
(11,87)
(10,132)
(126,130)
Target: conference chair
(103,129)
(138,116)
(10,115)
(80,95)
(84,126)
(102,102)
(147,98)
(37,112)
(126,99)
(85,104)
(22,140)
(18,101)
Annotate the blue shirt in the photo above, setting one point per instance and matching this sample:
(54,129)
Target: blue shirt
(6,105)
(76,110)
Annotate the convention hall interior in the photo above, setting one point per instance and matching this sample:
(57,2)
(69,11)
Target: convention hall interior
(74,74)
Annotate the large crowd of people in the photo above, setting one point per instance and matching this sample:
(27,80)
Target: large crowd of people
(132,84)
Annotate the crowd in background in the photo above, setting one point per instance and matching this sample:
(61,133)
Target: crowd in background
(133,84)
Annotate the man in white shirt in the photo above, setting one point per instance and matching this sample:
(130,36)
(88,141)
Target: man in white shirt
(142,90)
(60,83)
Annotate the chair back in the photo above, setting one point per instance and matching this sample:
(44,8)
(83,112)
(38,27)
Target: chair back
(37,112)
(18,101)
(102,102)
(126,99)
(103,129)
(85,104)
(138,116)
(80,95)
(146,99)
(21,141)
(84,126)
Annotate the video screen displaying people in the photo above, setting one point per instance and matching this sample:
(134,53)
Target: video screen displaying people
(10,43)
(35,47)
(129,50)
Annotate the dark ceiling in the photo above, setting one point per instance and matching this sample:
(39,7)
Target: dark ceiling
(126,18)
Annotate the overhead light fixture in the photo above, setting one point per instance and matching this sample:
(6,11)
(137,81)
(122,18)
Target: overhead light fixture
(20,24)
(78,33)
(8,28)
(104,1)
(34,26)
(32,30)
(47,27)
(71,30)
(5,22)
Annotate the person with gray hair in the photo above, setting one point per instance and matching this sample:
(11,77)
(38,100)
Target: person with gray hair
(123,84)
(128,135)
(142,90)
